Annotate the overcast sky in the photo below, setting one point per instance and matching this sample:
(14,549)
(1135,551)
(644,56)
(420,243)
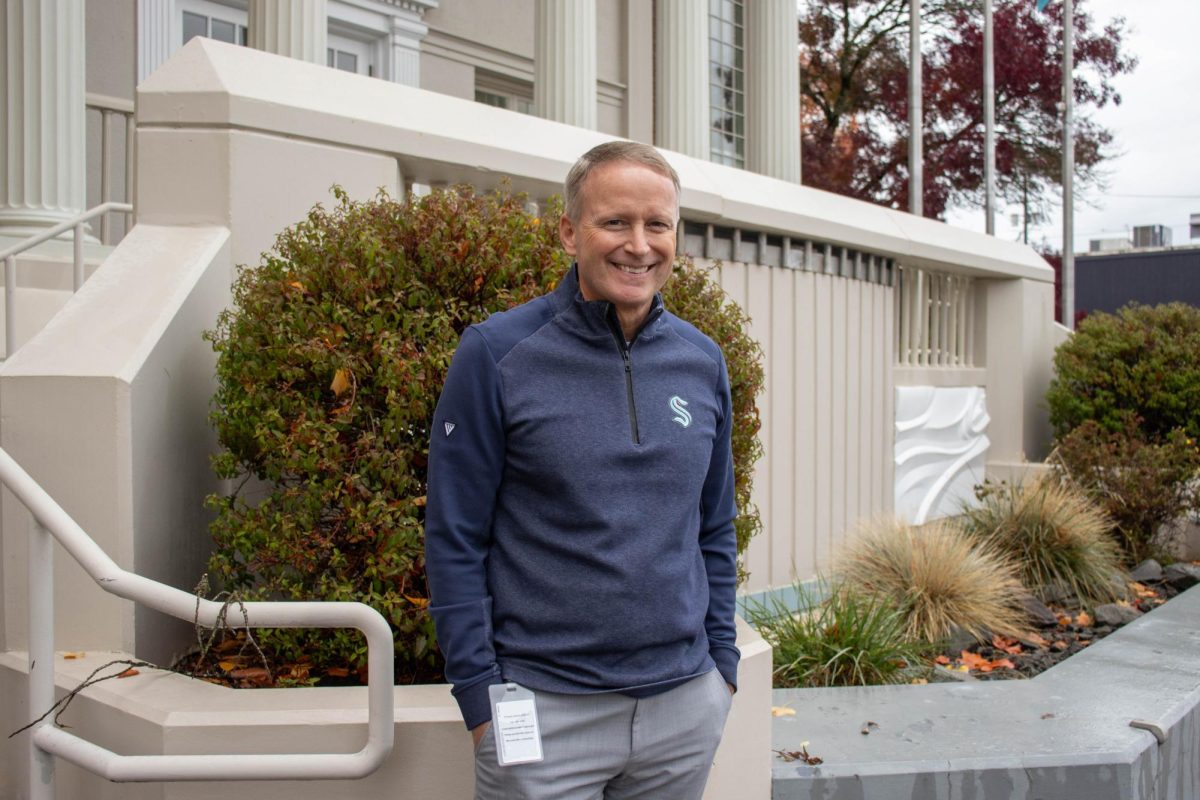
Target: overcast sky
(1156,179)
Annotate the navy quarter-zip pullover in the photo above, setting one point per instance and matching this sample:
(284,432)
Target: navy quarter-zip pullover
(579,528)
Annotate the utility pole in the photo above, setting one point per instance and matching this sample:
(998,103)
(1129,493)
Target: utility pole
(1068,249)
(989,121)
(916,169)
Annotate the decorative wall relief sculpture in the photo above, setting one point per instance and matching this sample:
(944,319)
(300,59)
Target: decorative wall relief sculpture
(941,449)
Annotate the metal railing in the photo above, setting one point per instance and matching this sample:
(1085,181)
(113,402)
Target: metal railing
(108,108)
(48,741)
(9,256)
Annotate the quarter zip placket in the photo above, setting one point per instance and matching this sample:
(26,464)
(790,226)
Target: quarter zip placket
(615,327)
(633,423)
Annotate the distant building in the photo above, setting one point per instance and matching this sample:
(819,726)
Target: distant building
(1106,281)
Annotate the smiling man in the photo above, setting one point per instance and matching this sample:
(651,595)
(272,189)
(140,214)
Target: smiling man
(579,530)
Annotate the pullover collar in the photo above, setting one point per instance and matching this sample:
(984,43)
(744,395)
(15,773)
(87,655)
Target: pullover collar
(598,318)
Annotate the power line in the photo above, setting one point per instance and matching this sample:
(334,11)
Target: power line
(1157,196)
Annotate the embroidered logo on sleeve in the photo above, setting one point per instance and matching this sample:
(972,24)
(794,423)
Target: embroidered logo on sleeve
(450,426)
(682,416)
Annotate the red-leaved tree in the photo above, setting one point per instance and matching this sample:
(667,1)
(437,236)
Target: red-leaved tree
(854,93)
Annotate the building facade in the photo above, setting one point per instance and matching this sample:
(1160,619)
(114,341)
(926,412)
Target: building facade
(712,79)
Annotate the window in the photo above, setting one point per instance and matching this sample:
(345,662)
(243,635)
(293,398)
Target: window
(502,92)
(727,82)
(223,30)
(339,59)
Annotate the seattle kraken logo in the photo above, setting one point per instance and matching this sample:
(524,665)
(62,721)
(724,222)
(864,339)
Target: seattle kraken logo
(681,414)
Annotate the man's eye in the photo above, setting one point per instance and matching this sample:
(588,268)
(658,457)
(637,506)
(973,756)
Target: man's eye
(615,223)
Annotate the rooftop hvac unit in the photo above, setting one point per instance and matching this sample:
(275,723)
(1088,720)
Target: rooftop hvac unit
(1152,236)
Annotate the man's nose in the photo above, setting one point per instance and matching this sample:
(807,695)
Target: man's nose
(637,243)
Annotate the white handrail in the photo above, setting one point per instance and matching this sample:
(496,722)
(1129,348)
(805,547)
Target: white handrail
(9,255)
(49,740)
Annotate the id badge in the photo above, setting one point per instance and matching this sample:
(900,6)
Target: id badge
(515,724)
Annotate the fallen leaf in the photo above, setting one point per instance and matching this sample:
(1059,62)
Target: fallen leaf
(420,501)
(869,726)
(1047,715)
(919,681)
(944,660)
(337,672)
(419,602)
(297,285)
(1084,619)
(977,662)
(782,711)
(1064,620)
(1058,644)
(74,654)
(129,673)
(227,666)
(1006,644)
(341,382)
(800,755)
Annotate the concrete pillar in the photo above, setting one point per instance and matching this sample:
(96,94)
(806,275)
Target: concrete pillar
(42,129)
(153,35)
(564,82)
(681,77)
(293,28)
(772,89)
(408,31)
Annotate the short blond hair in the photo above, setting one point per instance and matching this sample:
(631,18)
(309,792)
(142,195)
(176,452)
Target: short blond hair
(608,152)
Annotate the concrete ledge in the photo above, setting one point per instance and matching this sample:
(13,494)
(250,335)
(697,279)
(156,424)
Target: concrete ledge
(160,712)
(1064,734)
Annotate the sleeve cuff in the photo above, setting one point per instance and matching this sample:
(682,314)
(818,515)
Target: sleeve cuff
(475,703)
(726,659)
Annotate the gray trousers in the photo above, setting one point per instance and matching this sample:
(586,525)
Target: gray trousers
(615,747)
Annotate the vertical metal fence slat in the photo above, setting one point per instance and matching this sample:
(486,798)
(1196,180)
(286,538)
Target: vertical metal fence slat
(105,174)
(41,655)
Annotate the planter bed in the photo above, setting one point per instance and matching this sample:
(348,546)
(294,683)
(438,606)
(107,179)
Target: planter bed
(1065,734)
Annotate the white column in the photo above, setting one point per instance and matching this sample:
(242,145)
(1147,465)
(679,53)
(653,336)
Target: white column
(681,77)
(293,28)
(407,33)
(42,131)
(564,82)
(153,35)
(773,89)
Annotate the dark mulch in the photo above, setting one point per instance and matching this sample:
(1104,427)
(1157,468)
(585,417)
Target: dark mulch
(1072,631)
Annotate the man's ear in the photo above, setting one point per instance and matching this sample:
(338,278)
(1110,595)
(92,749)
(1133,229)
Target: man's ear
(566,234)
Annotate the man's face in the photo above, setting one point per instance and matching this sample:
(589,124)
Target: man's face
(624,239)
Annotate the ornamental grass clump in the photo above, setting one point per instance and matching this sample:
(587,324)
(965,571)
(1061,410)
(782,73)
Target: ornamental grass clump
(330,360)
(848,639)
(1056,536)
(937,576)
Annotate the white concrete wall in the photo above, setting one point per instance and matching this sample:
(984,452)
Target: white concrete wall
(826,412)
(106,408)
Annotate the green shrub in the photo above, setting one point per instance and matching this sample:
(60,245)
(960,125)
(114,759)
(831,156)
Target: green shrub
(1054,534)
(850,639)
(937,576)
(330,362)
(1141,485)
(1142,362)
(695,296)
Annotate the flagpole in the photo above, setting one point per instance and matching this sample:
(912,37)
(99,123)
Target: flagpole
(916,170)
(1068,250)
(989,120)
